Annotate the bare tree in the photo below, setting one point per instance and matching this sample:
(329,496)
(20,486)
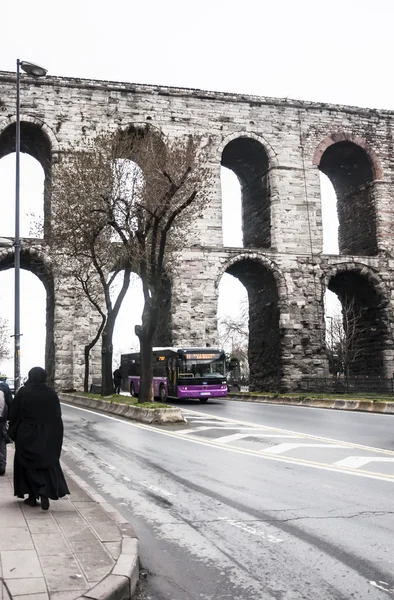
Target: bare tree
(4,340)
(234,335)
(115,215)
(344,332)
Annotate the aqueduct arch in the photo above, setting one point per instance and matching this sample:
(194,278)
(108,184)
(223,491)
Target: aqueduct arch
(275,147)
(267,295)
(39,141)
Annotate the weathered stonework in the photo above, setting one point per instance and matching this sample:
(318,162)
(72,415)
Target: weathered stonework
(276,148)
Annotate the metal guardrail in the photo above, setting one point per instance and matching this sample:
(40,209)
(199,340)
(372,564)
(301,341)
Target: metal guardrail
(368,385)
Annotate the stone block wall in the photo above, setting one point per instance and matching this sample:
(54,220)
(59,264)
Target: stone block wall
(276,148)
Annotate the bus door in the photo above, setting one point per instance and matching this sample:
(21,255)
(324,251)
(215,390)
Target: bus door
(171,376)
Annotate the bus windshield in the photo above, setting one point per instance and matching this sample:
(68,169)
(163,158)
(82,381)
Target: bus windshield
(196,367)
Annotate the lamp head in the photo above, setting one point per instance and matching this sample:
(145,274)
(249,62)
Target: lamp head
(32,69)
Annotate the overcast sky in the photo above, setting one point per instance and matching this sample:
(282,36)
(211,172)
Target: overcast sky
(339,51)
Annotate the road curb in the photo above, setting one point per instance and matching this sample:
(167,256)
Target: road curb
(121,582)
(143,415)
(337,404)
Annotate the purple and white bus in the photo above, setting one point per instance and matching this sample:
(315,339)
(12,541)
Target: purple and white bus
(179,373)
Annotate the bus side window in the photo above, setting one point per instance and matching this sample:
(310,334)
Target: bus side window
(159,367)
(171,374)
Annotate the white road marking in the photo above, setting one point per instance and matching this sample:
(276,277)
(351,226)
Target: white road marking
(354,462)
(240,436)
(253,530)
(187,431)
(305,435)
(286,447)
(246,452)
(156,489)
(241,428)
(382,585)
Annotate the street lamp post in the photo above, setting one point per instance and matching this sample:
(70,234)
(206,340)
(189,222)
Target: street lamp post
(34,71)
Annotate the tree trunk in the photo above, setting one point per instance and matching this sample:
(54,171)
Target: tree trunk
(88,348)
(87,369)
(146,368)
(107,386)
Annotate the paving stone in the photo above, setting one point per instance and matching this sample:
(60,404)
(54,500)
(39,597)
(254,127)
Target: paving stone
(62,573)
(47,526)
(84,541)
(115,586)
(71,524)
(4,593)
(61,505)
(15,538)
(50,544)
(25,586)
(95,513)
(12,516)
(113,548)
(43,596)
(95,564)
(35,512)
(67,595)
(18,564)
(130,546)
(107,532)
(82,504)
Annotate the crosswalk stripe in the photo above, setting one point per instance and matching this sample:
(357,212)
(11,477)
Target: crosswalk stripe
(286,447)
(240,436)
(354,462)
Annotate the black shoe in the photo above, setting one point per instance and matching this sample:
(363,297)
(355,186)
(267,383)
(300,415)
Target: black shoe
(44,502)
(30,501)
(2,472)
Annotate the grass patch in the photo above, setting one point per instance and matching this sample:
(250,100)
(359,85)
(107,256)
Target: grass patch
(326,396)
(129,400)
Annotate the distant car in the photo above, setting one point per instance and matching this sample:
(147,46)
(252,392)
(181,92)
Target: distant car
(11,384)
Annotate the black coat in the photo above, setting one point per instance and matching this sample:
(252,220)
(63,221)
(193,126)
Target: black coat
(7,397)
(36,426)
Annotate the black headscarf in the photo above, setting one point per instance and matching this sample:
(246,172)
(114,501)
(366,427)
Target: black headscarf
(37,375)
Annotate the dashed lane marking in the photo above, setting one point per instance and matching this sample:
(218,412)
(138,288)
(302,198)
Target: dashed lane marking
(281,448)
(354,462)
(241,436)
(252,530)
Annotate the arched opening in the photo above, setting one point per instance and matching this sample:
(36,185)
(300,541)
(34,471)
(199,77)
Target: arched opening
(264,345)
(31,197)
(360,331)
(35,176)
(329,215)
(124,338)
(351,172)
(233,328)
(231,209)
(36,311)
(248,159)
(130,314)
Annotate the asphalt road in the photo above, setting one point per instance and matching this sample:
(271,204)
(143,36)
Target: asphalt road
(224,510)
(370,429)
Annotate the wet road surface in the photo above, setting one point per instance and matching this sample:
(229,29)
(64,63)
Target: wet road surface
(247,518)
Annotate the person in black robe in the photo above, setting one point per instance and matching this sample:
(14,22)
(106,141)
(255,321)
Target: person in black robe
(117,374)
(36,426)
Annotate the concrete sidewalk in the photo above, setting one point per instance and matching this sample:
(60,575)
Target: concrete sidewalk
(80,547)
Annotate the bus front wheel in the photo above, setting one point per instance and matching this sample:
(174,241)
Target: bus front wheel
(163,393)
(132,391)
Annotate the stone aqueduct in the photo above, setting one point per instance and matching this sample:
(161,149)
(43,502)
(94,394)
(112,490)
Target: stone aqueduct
(276,148)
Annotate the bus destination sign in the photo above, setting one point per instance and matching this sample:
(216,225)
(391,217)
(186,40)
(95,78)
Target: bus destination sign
(200,356)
